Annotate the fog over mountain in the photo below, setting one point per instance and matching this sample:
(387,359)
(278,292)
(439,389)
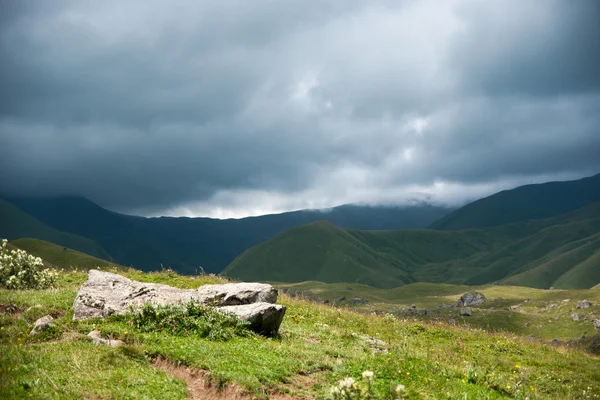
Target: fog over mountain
(236,108)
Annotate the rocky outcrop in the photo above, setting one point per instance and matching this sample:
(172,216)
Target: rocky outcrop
(105,294)
(42,324)
(471,299)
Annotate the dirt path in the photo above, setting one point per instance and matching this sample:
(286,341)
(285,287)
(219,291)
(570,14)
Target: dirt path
(200,388)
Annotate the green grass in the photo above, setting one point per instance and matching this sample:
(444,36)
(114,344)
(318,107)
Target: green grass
(62,257)
(317,346)
(560,252)
(544,323)
(16,224)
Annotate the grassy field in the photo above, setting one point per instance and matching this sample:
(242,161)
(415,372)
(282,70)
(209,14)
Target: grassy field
(545,314)
(561,252)
(318,345)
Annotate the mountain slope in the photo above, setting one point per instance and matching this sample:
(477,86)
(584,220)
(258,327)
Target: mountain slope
(319,251)
(523,203)
(60,256)
(560,251)
(15,223)
(185,244)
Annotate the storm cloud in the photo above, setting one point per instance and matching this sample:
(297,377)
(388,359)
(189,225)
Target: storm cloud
(232,108)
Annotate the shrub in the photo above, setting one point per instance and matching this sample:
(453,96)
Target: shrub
(19,270)
(189,320)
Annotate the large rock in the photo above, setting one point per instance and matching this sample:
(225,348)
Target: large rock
(105,294)
(264,318)
(471,299)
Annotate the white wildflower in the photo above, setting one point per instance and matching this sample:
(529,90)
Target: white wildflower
(368,375)
(346,383)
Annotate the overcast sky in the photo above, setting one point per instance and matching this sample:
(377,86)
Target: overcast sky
(234,107)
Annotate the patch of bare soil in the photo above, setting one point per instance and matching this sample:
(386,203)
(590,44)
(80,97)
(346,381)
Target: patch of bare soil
(200,386)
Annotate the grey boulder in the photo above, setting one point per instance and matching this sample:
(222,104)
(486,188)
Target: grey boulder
(471,299)
(584,304)
(264,318)
(105,294)
(42,324)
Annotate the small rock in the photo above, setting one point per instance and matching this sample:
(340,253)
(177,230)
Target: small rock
(42,324)
(466,312)
(575,316)
(413,306)
(374,341)
(527,325)
(97,339)
(552,305)
(343,298)
(515,307)
(452,321)
(596,323)
(566,300)
(471,299)
(551,288)
(584,304)
(326,302)
(358,300)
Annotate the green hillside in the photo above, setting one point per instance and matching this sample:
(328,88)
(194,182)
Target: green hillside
(319,251)
(524,203)
(62,257)
(560,252)
(18,224)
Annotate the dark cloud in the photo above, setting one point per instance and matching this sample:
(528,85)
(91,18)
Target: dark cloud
(232,107)
(522,47)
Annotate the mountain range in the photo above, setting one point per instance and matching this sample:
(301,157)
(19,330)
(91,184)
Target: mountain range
(536,235)
(187,245)
(561,252)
